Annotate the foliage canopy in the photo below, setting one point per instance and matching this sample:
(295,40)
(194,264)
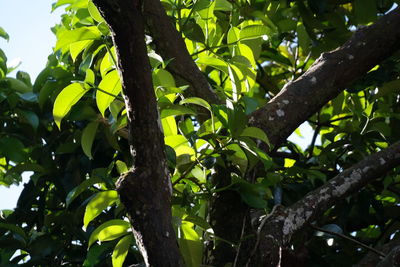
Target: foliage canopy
(69,128)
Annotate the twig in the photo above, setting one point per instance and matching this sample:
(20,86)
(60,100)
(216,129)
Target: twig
(350,239)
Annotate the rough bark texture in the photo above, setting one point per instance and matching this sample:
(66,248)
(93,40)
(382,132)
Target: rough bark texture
(170,45)
(327,77)
(222,206)
(276,230)
(145,190)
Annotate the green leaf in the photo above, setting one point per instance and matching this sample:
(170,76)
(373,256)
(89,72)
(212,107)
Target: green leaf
(113,232)
(76,48)
(95,234)
(61,3)
(233,35)
(90,77)
(169,126)
(121,250)
(74,193)
(15,85)
(15,229)
(175,141)
(12,149)
(223,5)
(196,101)
(163,78)
(66,99)
(97,254)
(111,87)
(3,34)
(253,31)
(190,245)
(97,204)
(94,12)
(30,117)
(88,136)
(80,34)
(121,166)
(175,110)
(198,221)
(304,39)
(255,133)
(213,62)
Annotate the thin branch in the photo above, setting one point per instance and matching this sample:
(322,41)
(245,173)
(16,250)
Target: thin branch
(284,223)
(328,77)
(350,239)
(170,45)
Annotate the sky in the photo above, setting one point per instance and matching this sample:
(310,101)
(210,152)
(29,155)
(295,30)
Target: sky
(28,23)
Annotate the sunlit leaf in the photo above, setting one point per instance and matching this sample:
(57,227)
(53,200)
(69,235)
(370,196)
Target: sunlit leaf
(121,250)
(175,110)
(94,13)
(213,62)
(80,34)
(97,204)
(196,101)
(76,48)
(113,232)
(253,31)
(94,236)
(255,133)
(66,99)
(190,244)
(163,78)
(110,87)
(169,126)
(4,34)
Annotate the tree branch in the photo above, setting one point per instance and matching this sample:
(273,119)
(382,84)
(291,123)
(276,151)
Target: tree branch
(279,228)
(169,43)
(146,189)
(327,77)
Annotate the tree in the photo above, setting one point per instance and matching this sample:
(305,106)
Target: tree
(171,120)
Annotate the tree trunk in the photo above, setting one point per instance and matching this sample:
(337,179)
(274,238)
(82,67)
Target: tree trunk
(146,189)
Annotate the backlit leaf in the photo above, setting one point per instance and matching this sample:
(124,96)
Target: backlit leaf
(121,250)
(80,34)
(253,31)
(94,236)
(66,99)
(213,62)
(196,101)
(4,34)
(113,232)
(110,87)
(94,13)
(97,204)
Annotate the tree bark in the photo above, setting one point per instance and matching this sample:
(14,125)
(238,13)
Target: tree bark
(169,43)
(327,78)
(276,230)
(296,102)
(146,189)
